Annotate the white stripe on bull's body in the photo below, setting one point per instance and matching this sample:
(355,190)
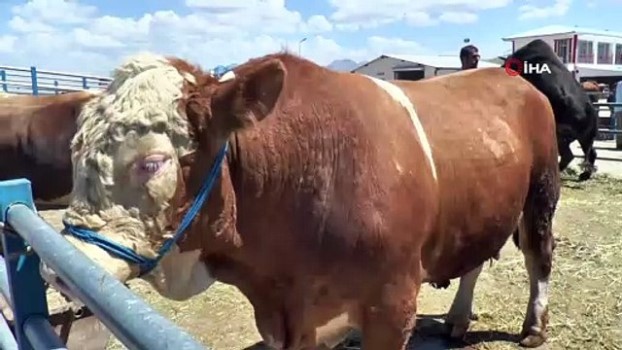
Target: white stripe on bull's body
(398,95)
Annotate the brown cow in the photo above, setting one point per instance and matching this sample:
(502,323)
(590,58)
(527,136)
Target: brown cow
(35,134)
(332,200)
(593,89)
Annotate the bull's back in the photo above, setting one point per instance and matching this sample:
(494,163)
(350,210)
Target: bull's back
(486,129)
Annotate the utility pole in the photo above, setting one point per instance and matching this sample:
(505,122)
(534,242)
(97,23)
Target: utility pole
(300,46)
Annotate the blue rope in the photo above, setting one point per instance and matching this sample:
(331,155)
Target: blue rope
(128,254)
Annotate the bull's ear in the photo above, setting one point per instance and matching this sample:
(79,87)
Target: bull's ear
(250,96)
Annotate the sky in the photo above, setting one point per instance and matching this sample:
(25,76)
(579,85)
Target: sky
(94,36)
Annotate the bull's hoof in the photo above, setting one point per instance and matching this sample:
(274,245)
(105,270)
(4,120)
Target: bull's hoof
(532,340)
(456,331)
(585,176)
(456,328)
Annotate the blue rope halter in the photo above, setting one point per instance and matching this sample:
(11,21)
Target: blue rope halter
(147,264)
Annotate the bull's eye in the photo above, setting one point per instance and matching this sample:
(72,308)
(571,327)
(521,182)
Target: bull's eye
(147,167)
(152,166)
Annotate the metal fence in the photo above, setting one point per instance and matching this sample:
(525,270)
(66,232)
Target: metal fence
(26,240)
(31,81)
(610,125)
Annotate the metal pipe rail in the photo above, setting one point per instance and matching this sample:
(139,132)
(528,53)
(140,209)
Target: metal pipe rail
(610,131)
(614,123)
(21,80)
(607,104)
(130,318)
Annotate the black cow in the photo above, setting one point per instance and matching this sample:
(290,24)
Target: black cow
(576,117)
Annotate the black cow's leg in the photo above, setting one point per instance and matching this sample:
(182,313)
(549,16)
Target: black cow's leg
(587,145)
(565,153)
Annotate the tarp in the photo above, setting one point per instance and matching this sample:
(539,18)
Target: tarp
(222,69)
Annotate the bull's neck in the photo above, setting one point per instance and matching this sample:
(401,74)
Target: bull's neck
(233,153)
(221,207)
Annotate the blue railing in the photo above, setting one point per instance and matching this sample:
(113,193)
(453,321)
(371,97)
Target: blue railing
(26,240)
(31,81)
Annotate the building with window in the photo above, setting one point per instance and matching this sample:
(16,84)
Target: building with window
(588,53)
(413,67)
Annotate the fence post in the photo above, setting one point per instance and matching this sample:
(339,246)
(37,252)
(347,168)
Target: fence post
(33,77)
(28,295)
(3,79)
(617,125)
(84,83)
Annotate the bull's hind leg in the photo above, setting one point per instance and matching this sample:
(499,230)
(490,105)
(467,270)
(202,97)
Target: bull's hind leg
(537,245)
(460,314)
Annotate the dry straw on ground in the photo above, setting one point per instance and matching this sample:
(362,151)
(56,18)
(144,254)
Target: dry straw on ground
(585,301)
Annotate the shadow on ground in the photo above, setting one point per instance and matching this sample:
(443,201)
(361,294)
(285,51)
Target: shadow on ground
(49,206)
(430,334)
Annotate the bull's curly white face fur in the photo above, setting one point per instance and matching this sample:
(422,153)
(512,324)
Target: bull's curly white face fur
(126,165)
(126,158)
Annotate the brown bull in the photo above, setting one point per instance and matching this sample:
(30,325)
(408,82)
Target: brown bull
(335,196)
(35,134)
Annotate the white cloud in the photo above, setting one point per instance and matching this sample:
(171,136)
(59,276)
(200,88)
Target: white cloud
(19,24)
(420,19)
(325,49)
(55,11)
(224,6)
(345,27)
(370,14)
(88,39)
(458,17)
(7,43)
(318,24)
(70,36)
(381,45)
(557,9)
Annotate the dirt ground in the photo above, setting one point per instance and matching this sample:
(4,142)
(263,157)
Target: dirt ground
(585,300)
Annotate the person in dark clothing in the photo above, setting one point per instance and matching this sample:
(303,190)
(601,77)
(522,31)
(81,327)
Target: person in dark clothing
(469,56)
(612,94)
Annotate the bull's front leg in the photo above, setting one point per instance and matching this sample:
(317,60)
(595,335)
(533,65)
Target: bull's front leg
(565,136)
(389,318)
(459,316)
